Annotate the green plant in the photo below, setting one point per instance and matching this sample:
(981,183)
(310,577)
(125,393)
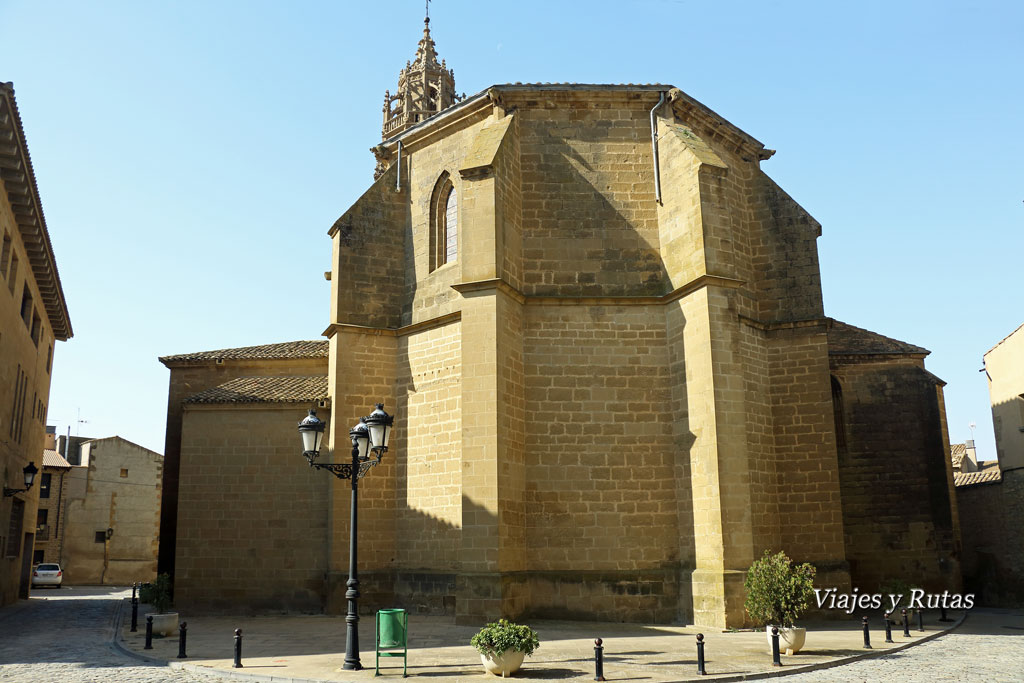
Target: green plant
(157,594)
(499,637)
(777,590)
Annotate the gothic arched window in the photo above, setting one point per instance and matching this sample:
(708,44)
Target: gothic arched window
(444,223)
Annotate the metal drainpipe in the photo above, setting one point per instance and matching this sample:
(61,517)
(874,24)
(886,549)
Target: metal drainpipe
(654,149)
(398,178)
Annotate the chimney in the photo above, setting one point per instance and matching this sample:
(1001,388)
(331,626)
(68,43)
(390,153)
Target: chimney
(970,457)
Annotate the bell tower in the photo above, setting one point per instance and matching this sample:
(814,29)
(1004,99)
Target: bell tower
(424,89)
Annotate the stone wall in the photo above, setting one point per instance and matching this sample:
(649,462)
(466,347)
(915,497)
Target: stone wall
(896,476)
(49,539)
(641,391)
(33,313)
(600,485)
(25,366)
(428,470)
(252,515)
(122,494)
(192,377)
(993,543)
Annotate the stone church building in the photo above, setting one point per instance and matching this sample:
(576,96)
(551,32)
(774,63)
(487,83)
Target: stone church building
(599,325)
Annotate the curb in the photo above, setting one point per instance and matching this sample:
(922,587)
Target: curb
(840,662)
(260,678)
(115,642)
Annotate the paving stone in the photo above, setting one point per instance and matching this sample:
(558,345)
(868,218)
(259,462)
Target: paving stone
(65,637)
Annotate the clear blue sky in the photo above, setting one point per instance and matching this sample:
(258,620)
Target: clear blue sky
(192,155)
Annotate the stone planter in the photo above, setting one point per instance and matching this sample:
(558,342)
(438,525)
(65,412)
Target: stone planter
(790,639)
(505,664)
(164,624)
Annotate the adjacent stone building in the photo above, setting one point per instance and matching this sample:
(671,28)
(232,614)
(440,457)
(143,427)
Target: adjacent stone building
(898,501)
(248,529)
(33,317)
(600,327)
(111,513)
(991,500)
(50,517)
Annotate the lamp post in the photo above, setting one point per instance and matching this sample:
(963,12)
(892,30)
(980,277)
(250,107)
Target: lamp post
(369,443)
(30,471)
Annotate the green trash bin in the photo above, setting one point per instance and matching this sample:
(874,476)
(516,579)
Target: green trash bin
(392,635)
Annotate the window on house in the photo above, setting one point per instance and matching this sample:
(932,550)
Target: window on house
(14,272)
(49,358)
(444,223)
(37,325)
(14,529)
(124,472)
(14,403)
(26,306)
(44,485)
(38,556)
(42,516)
(101,536)
(5,254)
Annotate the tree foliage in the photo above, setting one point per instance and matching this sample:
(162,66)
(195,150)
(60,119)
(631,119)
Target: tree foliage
(778,591)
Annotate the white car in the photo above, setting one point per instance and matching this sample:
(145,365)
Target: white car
(48,574)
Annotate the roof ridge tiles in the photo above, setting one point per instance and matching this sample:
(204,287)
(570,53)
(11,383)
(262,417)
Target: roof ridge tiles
(316,348)
(845,339)
(265,389)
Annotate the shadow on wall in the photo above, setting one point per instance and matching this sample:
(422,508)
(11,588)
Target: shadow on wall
(895,490)
(586,245)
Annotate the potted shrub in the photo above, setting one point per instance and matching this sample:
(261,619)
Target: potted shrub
(158,596)
(778,592)
(897,587)
(502,646)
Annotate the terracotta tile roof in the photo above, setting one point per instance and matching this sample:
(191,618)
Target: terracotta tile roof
(847,340)
(265,390)
(957,451)
(296,349)
(988,473)
(54,459)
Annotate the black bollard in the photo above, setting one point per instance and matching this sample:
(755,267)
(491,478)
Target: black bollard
(700,655)
(135,614)
(888,628)
(238,649)
(149,633)
(776,660)
(920,620)
(906,624)
(598,660)
(867,634)
(182,634)
(944,614)
(133,590)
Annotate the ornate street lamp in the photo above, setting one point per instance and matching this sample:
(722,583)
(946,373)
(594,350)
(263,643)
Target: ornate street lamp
(369,443)
(30,471)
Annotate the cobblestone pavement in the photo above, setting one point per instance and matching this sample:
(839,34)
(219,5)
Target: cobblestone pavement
(63,636)
(988,647)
